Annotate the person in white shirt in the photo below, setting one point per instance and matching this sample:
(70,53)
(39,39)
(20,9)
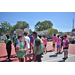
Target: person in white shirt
(27,45)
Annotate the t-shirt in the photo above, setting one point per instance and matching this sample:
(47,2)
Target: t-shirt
(64,43)
(45,41)
(58,40)
(8,43)
(15,39)
(31,38)
(7,40)
(20,54)
(54,38)
(27,39)
(40,48)
(18,40)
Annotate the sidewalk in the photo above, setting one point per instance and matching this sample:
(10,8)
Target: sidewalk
(53,57)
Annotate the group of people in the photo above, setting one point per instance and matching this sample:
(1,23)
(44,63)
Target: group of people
(24,45)
(61,42)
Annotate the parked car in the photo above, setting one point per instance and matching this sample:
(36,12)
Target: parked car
(72,41)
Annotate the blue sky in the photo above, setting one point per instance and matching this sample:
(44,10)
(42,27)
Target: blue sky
(62,21)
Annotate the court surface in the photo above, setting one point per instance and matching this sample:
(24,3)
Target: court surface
(51,55)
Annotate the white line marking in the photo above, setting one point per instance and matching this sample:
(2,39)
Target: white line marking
(58,58)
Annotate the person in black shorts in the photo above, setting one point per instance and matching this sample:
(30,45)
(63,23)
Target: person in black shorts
(8,47)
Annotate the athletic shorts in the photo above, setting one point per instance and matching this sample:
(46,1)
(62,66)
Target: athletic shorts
(27,52)
(21,59)
(54,42)
(31,43)
(58,45)
(65,49)
(45,45)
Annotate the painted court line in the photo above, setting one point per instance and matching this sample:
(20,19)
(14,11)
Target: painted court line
(58,58)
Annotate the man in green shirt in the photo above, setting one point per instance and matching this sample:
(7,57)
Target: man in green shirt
(38,49)
(15,40)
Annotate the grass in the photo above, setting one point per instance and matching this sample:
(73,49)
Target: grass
(1,41)
(72,43)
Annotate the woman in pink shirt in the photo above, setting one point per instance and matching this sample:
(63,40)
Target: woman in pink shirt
(58,40)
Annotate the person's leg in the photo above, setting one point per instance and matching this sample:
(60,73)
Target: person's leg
(30,47)
(53,46)
(22,59)
(29,57)
(9,53)
(57,49)
(64,54)
(25,58)
(67,53)
(38,58)
(19,59)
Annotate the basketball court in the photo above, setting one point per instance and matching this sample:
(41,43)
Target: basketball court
(51,55)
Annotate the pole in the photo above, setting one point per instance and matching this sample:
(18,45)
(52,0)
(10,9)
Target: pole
(73,23)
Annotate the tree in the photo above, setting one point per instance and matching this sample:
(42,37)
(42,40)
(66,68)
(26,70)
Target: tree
(46,32)
(21,25)
(40,26)
(4,27)
(30,31)
(52,31)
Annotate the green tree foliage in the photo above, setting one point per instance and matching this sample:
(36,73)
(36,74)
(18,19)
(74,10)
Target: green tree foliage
(30,31)
(4,28)
(21,25)
(40,26)
(7,28)
(52,31)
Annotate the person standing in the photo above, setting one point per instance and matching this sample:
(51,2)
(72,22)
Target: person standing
(61,43)
(45,43)
(27,45)
(15,40)
(38,49)
(31,42)
(8,46)
(65,47)
(54,41)
(19,49)
(58,40)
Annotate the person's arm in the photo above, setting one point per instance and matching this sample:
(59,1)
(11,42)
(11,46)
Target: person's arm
(17,49)
(13,39)
(25,44)
(37,49)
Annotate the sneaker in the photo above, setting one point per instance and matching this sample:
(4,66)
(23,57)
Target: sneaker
(64,58)
(10,60)
(30,60)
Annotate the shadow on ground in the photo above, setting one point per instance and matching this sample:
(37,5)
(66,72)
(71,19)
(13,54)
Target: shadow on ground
(61,61)
(55,55)
(50,51)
